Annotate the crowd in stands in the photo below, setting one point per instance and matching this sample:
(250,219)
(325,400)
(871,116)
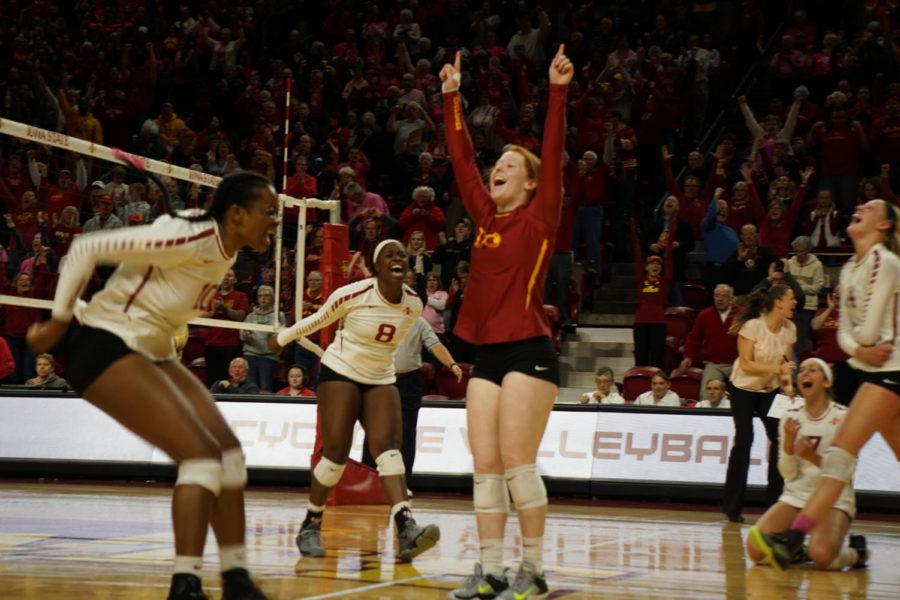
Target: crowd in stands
(203,86)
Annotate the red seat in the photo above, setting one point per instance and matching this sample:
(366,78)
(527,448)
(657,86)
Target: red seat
(637,381)
(198,368)
(679,320)
(447,384)
(686,383)
(552,313)
(428,374)
(695,295)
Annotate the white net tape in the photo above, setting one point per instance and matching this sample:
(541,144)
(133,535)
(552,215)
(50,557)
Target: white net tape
(78,146)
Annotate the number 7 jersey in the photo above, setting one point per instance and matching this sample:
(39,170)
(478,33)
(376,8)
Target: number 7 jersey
(371,328)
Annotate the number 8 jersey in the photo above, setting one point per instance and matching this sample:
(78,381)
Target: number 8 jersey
(371,328)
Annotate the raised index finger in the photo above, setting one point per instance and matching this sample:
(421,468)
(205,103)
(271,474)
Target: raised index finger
(561,50)
(457,62)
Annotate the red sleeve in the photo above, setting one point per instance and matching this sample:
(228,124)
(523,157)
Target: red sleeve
(796,205)
(671,184)
(436,218)
(758,210)
(547,203)
(692,342)
(471,187)
(887,193)
(42,281)
(668,273)
(242,302)
(406,217)
(636,250)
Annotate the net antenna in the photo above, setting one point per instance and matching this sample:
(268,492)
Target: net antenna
(151,167)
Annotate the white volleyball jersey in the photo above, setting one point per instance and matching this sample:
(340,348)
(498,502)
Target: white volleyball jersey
(168,274)
(371,329)
(800,475)
(869,306)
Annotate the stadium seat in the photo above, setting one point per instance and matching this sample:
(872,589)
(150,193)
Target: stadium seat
(695,295)
(636,381)
(447,384)
(686,383)
(679,320)
(428,374)
(198,368)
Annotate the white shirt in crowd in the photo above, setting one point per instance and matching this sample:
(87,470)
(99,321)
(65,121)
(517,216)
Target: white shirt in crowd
(613,397)
(669,399)
(725,403)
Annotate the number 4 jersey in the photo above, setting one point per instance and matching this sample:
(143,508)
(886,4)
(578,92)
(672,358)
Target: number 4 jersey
(371,328)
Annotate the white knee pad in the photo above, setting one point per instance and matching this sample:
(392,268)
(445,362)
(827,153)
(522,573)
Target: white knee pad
(490,494)
(390,462)
(328,473)
(205,472)
(234,469)
(526,486)
(838,464)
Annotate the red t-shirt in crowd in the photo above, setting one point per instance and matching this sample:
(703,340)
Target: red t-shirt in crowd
(827,347)
(219,336)
(512,250)
(304,393)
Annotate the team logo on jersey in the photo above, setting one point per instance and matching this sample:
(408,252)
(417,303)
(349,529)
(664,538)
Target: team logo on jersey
(488,240)
(407,311)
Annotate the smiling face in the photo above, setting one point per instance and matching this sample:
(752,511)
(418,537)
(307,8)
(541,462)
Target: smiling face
(23,283)
(659,386)
(391,265)
(786,304)
(868,218)
(811,380)
(257,223)
(510,180)
(653,268)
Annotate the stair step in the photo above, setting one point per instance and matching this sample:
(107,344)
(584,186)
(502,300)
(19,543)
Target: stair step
(605,319)
(595,349)
(590,364)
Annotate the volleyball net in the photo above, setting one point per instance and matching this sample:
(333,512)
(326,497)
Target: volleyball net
(52,184)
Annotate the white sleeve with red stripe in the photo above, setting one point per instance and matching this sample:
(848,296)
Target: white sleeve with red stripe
(336,306)
(167,242)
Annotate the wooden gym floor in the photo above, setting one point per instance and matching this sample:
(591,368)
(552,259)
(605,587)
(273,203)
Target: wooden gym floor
(114,542)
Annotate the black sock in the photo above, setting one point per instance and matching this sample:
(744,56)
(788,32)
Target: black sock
(312,517)
(794,538)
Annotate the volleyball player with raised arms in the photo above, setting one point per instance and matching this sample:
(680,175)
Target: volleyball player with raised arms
(122,359)
(868,332)
(515,379)
(804,435)
(356,382)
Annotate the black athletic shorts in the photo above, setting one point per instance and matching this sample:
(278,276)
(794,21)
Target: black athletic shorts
(535,357)
(90,352)
(326,374)
(889,380)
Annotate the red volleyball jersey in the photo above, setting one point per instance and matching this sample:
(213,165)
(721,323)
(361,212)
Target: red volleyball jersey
(511,253)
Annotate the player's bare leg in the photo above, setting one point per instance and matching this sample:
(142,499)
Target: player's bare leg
(383,423)
(158,411)
(339,407)
(227,518)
